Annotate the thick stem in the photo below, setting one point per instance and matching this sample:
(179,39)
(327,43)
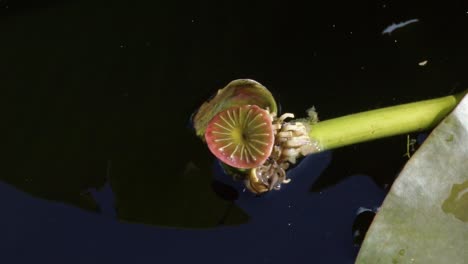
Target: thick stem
(384,122)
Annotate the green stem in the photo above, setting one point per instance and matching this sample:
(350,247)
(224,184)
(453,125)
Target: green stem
(384,122)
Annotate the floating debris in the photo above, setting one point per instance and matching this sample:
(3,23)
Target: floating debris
(423,63)
(393,27)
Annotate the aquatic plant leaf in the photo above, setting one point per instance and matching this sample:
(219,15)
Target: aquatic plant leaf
(424,218)
(241,137)
(236,93)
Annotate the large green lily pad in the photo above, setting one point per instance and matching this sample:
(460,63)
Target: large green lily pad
(424,218)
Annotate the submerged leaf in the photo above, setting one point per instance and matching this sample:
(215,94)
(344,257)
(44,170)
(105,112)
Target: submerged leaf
(424,218)
(236,93)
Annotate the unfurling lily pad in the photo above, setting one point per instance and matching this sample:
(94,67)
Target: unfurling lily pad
(241,137)
(236,93)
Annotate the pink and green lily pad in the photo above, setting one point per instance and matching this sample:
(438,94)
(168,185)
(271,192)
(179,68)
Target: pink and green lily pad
(241,136)
(236,93)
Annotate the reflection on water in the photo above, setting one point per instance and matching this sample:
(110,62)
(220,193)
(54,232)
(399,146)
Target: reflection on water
(293,220)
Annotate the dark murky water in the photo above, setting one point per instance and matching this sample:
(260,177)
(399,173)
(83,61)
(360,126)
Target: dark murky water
(101,164)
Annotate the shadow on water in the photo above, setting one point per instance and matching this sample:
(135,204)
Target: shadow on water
(157,177)
(361,159)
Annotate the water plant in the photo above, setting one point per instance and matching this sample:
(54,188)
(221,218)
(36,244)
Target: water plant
(424,216)
(242,129)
